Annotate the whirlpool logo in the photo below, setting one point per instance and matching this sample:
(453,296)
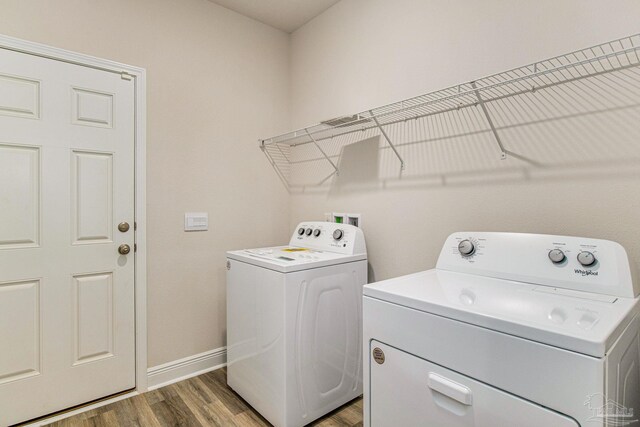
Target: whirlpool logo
(585,272)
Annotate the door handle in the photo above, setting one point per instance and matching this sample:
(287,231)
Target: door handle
(124,249)
(449,388)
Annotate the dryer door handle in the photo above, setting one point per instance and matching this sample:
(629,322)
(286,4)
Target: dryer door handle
(450,388)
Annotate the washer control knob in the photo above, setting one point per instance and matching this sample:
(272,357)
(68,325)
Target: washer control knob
(309,231)
(466,247)
(556,256)
(317,232)
(586,258)
(338,234)
(300,231)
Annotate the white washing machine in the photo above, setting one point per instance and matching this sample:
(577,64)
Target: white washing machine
(508,330)
(294,323)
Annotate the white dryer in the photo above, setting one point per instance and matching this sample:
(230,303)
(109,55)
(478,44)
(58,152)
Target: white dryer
(508,330)
(294,323)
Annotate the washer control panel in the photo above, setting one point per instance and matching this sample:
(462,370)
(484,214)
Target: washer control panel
(583,264)
(329,236)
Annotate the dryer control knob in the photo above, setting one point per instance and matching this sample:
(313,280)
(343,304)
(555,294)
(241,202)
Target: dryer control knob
(586,258)
(466,247)
(300,231)
(556,256)
(309,231)
(338,234)
(317,232)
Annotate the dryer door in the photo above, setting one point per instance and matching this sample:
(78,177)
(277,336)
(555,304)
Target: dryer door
(408,391)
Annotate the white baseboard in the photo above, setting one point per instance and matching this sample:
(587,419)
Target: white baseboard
(178,370)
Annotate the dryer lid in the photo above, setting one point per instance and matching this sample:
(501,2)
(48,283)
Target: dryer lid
(583,322)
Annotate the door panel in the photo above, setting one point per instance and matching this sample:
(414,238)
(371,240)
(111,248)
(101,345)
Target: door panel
(93,317)
(21,301)
(19,196)
(19,97)
(92,108)
(91,197)
(66,294)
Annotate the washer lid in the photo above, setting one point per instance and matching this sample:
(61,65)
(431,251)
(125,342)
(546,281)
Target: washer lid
(583,322)
(291,258)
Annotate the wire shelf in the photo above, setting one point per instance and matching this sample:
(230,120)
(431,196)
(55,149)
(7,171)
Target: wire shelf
(489,111)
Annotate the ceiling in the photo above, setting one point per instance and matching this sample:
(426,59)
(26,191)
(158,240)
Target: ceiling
(286,15)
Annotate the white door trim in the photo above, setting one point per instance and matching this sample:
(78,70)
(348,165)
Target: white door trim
(138,75)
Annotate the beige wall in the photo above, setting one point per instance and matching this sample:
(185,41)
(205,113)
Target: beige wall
(216,82)
(364,53)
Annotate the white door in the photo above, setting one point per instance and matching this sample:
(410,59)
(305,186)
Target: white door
(66,182)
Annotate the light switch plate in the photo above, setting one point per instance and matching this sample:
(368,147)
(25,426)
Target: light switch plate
(196,221)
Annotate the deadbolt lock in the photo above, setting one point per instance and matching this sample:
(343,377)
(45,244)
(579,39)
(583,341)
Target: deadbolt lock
(123,226)
(124,249)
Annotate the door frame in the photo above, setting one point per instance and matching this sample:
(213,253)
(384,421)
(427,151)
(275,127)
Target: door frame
(138,75)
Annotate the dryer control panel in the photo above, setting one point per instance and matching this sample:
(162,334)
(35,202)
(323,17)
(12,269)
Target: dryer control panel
(329,236)
(578,263)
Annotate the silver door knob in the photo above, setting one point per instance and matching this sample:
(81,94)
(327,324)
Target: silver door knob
(123,227)
(124,249)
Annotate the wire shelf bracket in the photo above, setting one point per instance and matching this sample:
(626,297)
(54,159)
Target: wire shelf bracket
(393,147)
(503,154)
(335,168)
